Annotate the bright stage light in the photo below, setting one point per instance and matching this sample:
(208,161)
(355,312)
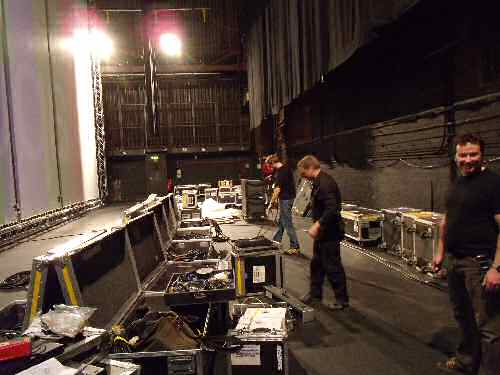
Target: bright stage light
(101,45)
(170,44)
(94,42)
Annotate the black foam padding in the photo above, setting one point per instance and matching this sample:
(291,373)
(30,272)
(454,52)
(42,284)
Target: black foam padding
(253,242)
(162,223)
(146,245)
(52,293)
(105,274)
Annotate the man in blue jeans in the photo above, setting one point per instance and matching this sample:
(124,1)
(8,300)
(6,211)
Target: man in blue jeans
(284,191)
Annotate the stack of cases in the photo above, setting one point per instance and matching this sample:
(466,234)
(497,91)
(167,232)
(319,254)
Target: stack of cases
(211,193)
(392,227)
(253,199)
(256,267)
(226,195)
(362,225)
(201,192)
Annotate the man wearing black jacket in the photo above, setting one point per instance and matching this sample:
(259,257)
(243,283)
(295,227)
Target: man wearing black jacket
(327,232)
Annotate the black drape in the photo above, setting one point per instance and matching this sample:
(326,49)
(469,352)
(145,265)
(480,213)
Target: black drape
(295,42)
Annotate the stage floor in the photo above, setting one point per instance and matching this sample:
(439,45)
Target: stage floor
(394,326)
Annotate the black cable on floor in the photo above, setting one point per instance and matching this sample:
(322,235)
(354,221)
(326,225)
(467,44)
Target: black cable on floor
(219,234)
(17,280)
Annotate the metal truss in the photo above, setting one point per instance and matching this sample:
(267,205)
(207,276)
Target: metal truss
(100,139)
(15,231)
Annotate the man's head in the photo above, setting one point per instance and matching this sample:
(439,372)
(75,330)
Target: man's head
(308,167)
(469,154)
(274,160)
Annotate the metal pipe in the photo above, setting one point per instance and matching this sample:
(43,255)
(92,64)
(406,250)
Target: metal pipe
(8,92)
(54,110)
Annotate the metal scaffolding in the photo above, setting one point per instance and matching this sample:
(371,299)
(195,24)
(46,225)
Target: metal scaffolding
(99,128)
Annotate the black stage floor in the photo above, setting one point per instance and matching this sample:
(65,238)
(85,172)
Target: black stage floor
(395,325)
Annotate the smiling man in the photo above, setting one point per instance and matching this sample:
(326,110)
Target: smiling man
(470,237)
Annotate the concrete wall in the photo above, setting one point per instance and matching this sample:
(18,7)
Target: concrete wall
(53,148)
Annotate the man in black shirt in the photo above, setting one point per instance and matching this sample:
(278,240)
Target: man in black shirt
(470,237)
(284,192)
(327,232)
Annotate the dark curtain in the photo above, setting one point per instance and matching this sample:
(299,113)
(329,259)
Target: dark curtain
(295,42)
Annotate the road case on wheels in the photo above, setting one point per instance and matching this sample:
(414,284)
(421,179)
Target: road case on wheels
(408,228)
(427,230)
(391,229)
(256,265)
(253,199)
(363,225)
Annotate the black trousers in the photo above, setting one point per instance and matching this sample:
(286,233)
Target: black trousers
(327,262)
(478,315)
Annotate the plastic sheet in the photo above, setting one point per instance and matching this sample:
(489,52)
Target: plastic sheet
(67,320)
(210,209)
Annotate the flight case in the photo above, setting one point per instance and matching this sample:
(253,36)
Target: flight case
(256,267)
(392,226)
(363,225)
(427,240)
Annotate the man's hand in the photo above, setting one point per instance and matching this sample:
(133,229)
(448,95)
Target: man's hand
(313,231)
(437,262)
(492,280)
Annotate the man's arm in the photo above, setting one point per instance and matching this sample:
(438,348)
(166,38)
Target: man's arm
(328,195)
(492,278)
(439,257)
(496,261)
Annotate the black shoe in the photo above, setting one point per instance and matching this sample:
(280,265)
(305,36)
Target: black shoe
(310,300)
(336,306)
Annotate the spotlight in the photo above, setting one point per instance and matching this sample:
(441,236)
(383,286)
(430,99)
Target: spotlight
(102,45)
(94,41)
(171,45)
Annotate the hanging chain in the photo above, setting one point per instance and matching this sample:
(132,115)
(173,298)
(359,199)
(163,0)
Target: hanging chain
(99,128)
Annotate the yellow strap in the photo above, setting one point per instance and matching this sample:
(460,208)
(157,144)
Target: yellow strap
(69,286)
(36,294)
(240,273)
